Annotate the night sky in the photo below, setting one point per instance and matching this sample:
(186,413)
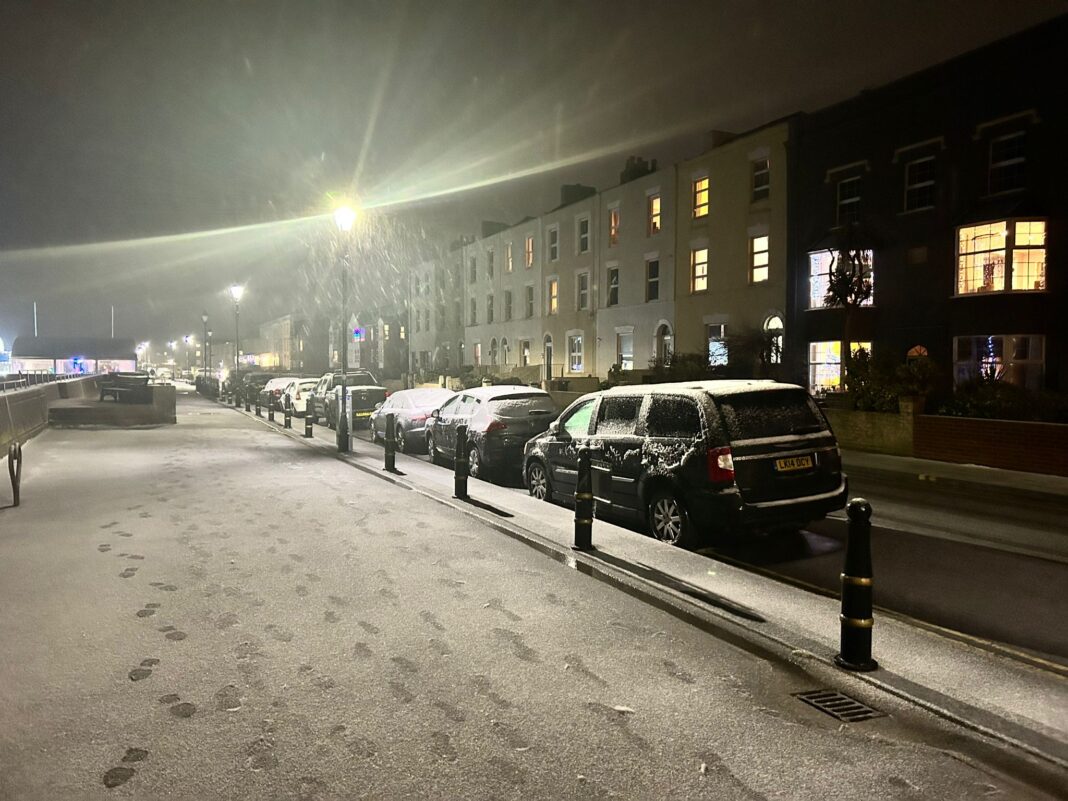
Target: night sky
(127,120)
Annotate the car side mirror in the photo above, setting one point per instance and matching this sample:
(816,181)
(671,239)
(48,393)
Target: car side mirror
(378,405)
(436,414)
(557,431)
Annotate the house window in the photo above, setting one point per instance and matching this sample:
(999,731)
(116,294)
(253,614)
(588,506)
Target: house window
(1017,359)
(1007,254)
(493,352)
(418,319)
(507,304)
(700,197)
(529,300)
(920,184)
(758,259)
(613,226)
(773,334)
(613,286)
(489,263)
(1008,163)
(848,201)
(554,243)
(524,352)
(553,295)
(625,351)
(528,252)
(472,270)
(825,364)
(508,265)
(489,308)
(820,266)
(699,269)
(716,336)
(652,280)
(426,321)
(574,353)
(761,180)
(474,312)
(584,235)
(583,290)
(385,331)
(654,214)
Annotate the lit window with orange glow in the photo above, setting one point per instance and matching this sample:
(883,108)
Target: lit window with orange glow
(613,226)
(700,197)
(654,215)
(699,270)
(758,259)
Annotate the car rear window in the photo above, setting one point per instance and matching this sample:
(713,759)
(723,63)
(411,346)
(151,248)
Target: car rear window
(534,403)
(360,380)
(771,413)
(618,416)
(673,416)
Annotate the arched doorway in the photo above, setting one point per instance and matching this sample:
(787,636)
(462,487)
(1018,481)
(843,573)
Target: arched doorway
(493,352)
(773,336)
(664,343)
(504,352)
(548,358)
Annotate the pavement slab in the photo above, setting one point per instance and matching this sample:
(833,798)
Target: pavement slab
(211,610)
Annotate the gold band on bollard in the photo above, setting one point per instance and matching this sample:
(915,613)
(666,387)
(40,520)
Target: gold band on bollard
(583,496)
(857,622)
(584,522)
(858,581)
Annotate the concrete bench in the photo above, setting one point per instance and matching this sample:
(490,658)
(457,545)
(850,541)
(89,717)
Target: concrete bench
(129,387)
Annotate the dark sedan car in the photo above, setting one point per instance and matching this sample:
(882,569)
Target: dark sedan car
(499,421)
(413,408)
(695,458)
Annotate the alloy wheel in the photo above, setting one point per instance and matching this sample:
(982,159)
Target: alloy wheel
(667,519)
(537,481)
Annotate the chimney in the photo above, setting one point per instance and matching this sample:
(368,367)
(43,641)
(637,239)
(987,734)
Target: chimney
(636,167)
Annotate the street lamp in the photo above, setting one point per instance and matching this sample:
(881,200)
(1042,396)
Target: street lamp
(344,218)
(189,342)
(204,343)
(236,291)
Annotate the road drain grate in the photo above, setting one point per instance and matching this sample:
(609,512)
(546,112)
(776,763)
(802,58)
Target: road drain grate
(839,706)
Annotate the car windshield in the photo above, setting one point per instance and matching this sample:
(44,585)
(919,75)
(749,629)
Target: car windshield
(770,413)
(430,398)
(522,405)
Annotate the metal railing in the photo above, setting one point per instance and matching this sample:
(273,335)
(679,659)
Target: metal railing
(23,380)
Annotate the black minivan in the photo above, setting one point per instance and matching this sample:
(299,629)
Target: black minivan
(695,459)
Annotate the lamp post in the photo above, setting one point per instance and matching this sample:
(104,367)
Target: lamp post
(204,343)
(207,347)
(345,218)
(189,341)
(236,291)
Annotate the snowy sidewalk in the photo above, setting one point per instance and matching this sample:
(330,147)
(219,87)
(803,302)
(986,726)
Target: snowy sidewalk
(985,691)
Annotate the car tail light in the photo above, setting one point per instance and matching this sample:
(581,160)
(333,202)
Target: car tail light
(419,418)
(720,466)
(388,393)
(276,392)
(297,397)
(496,425)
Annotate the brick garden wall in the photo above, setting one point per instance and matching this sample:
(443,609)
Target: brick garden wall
(1009,444)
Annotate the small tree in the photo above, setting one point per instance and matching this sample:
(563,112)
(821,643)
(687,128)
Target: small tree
(849,287)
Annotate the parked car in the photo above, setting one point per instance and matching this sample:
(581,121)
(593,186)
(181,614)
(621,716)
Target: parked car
(270,395)
(296,393)
(697,458)
(499,422)
(249,384)
(413,408)
(364,392)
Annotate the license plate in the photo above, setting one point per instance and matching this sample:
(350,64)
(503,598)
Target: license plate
(362,414)
(793,463)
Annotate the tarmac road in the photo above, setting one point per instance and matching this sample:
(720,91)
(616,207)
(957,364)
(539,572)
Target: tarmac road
(210,610)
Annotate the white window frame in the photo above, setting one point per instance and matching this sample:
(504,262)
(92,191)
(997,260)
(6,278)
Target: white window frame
(582,241)
(759,260)
(528,251)
(529,301)
(610,271)
(489,308)
(825,259)
(552,298)
(574,338)
(1010,252)
(509,264)
(694,277)
(700,210)
(473,312)
(650,281)
(552,242)
(757,171)
(507,305)
(653,196)
(489,262)
(582,296)
(912,186)
(1010,162)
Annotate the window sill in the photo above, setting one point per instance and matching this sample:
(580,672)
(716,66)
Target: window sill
(996,292)
(836,308)
(909,212)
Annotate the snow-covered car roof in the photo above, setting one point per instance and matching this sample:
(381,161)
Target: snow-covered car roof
(724,386)
(504,391)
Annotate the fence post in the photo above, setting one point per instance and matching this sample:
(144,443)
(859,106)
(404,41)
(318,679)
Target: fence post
(584,502)
(459,464)
(14,469)
(390,443)
(856,617)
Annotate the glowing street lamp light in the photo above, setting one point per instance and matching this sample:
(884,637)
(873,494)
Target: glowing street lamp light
(204,342)
(237,292)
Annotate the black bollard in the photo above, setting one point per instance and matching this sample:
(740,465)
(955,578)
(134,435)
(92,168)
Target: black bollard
(259,410)
(14,469)
(308,433)
(390,443)
(270,409)
(248,403)
(237,400)
(287,419)
(856,617)
(459,464)
(584,502)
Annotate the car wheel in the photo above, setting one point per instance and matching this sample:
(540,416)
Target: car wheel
(431,448)
(538,484)
(668,519)
(474,462)
(400,440)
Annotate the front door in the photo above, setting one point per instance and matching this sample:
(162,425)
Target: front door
(617,453)
(548,358)
(562,450)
